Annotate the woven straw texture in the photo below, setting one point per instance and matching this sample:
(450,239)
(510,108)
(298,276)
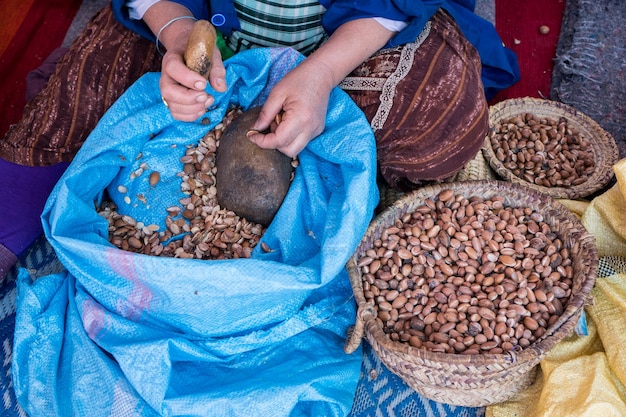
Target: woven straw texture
(485,379)
(604,147)
(476,169)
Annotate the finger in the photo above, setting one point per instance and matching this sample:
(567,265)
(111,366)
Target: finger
(288,138)
(269,141)
(281,136)
(174,66)
(217,77)
(183,103)
(185,112)
(290,148)
(187,115)
(178,95)
(268,113)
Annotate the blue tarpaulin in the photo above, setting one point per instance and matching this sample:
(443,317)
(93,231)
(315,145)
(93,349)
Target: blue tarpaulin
(126,334)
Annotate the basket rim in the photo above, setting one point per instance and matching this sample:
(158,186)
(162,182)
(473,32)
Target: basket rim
(532,353)
(606,152)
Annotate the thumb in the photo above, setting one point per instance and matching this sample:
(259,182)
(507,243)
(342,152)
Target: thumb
(267,115)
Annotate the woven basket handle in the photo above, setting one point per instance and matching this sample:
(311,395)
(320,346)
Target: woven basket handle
(364,313)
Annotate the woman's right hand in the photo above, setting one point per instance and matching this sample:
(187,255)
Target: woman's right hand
(184,90)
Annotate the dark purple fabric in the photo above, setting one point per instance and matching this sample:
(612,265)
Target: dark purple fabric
(25,191)
(37,78)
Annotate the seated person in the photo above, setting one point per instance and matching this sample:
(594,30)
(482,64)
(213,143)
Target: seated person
(422,74)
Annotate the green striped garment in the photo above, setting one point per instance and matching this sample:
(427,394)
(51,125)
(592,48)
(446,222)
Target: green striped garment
(291,23)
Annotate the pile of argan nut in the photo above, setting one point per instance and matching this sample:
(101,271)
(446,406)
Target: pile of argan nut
(542,150)
(197,228)
(467,276)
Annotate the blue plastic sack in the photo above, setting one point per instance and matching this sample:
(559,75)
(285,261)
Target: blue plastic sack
(125,334)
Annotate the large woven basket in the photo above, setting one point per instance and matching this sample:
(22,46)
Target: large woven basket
(481,379)
(605,150)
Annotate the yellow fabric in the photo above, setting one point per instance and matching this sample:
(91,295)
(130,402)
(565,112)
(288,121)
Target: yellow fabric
(577,207)
(606,216)
(585,376)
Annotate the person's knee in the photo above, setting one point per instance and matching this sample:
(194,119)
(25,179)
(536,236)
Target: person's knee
(436,145)
(25,190)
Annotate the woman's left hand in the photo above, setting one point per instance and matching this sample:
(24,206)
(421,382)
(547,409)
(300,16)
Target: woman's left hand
(301,100)
(302,95)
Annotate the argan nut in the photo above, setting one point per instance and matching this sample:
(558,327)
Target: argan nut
(154,178)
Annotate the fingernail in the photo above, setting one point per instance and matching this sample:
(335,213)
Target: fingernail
(200,85)
(251,132)
(208,103)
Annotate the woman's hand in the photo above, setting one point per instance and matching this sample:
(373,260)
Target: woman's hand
(183,89)
(301,99)
(302,95)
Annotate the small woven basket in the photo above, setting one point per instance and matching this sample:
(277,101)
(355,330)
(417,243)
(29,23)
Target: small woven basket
(605,150)
(482,379)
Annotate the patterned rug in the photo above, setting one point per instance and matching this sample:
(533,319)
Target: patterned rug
(39,260)
(519,28)
(7,324)
(381,393)
(590,63)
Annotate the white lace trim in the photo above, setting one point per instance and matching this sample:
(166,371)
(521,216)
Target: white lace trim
(387,86)
(388,92)
(362,84)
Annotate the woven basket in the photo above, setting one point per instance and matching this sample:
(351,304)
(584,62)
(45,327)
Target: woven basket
(482,379)
(605,150)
